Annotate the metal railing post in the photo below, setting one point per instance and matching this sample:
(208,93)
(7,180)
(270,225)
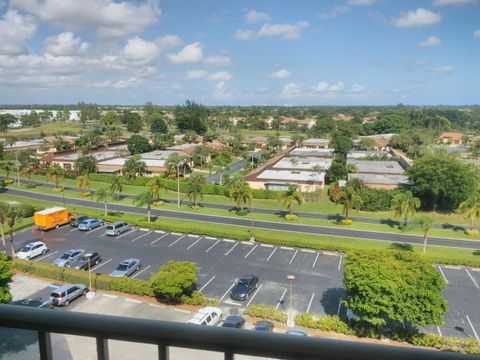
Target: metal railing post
(45,345)
(102,348)
(163,352)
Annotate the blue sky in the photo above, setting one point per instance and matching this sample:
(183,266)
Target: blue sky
(276,52)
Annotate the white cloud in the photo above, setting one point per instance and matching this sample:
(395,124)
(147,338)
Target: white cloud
(420,62)
(195,74)
(15,29)
(244,34)
(320,87)
(418,18)
(221,91)
(477,33)
(357,88)
(190,54)
(140,51)
(287,31)
(360,2)
(444,69)
(217,60)
(65,44)
(338,86)
(220,76)
(255,16)
(430,41)
(291,90)
(168,42)
(280,74)
(108,17)
(452,2)
(346,7)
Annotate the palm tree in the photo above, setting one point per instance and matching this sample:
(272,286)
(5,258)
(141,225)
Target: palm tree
(291,196)
(350,199)
(8,168)
(221,162)
(4,210)
(142,199)
(27,170)
(241,193)
(173,164)
(405,205)
(101,195)
(425,223)
(195,183)
(134,167)
(116,186)
(155,185)
(13,216)
(83,182)
(55,173)
(470,208)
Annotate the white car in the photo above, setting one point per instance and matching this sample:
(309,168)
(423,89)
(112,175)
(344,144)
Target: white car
(31,250)
(209,316)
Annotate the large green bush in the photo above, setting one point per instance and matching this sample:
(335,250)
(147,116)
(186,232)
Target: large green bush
(174,280)
(265,311)
(376,199)
(325,323)
(131,286)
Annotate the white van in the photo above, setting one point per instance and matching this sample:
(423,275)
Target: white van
(209,316)
(117,228)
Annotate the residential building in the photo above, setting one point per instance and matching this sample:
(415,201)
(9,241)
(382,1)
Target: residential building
(451,138)
(320,152)
(316,143)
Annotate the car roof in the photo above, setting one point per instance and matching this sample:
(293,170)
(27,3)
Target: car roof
(263,322)
(117,222)
(35,243)
(234,318)
(66,287)
(248,277)
(129,261)
(72,250)
(209,309)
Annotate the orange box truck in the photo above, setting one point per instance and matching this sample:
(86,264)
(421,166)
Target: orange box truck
(51,218)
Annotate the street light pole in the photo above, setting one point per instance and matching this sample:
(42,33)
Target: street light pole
(18,171)
(290,310)
(63,193)
(178,185)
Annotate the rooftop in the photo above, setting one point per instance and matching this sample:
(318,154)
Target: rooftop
(158,154)
(358,154)
(377,167)
(120,161)
(291,175)
(380,179)
(316,141)
(302,151)
(303,163)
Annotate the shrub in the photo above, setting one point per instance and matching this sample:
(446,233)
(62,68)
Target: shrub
(376,199)
(325,323)
(471,232)
(469,346)
(25,210)
(174,281)
(193,207)
(86,194)
(268,312)
(242,212)
(291,217)
(8,181)
(346,222)
(30,186)
(196,298)
(57,190)
(159,203)
(131,286)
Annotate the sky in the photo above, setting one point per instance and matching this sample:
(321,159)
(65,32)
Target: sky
(269,52)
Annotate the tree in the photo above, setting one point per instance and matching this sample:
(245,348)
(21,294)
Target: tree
(388,287)
(162,141)
(134,167)
(366,143)
(116,186)
(194,188)
(5,121)
(27,158)
(425,223)
(61,145)
(350,199)
(290,196)
(174,281)
(221,162)
(86,165)
(155,186)
(173,164)
(27,170)
(88,112)
(157,124)
(137,144)
(200,154)
(405,205)
(337,171)
(13,216)
(10,140)
(475,150)
(83,182)
(191,116)
(391,123)
(342,144)
(273,142)
(4,209)
(241,193)
(6,273)
(8,168)
(109,119)
(133,121)
(470,208)
(145,198)
(55,174)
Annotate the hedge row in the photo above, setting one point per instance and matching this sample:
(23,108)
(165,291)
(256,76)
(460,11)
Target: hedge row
(268,312)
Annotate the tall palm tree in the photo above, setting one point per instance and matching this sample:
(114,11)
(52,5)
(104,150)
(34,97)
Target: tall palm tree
(290,196)
(405,205)
(155,185)
(195,183)
(83,182)
(13,216)
(142,199)
(101,195)
(55,173)
(4,210)
(241,193)
(470,208)
(173,164)
(116,186)
(27,170)
(350,199)
(7,168)
(425,223)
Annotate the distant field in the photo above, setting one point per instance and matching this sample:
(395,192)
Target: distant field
(51,128)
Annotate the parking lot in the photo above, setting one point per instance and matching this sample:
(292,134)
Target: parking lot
(317,287)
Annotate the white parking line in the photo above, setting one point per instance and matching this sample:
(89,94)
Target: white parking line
(174,233)
(230,288)
(103,235)
(74,229)
(443,275)
(271,254)
(208,282)
(316,258)
(339,306)
(340,263)
(286,248)
(194,243)
(141,236)
(127,233)
(250,251)
(160,232)
(439,332)
(233,247)
(293,257)
(473,329)
(211,247)
(309,251)
(194,236)
(228,240)
(253,296)
(310,302)
(161,237)
(101,264)
(266,245)
(210,238)
(173,243)
(279,302)
(45,256)
(471,277)
(91,231)
(141,271)
(43,304)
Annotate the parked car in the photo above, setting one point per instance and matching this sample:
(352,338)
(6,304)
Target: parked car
(68,257)
(31,250)
(88,260)
(297,332)
(77,220)
(89,224)
(244,287)
(117,228)
(209,316)
(264,325)
(234,321)
(126,268)
(63,295)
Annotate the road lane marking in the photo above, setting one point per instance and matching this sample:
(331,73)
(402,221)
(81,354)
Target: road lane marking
(339,306)
(471,277)
(101,264)
(211,247)
(253,296)
(316,258)
(281,299)
(293,257)
(230,288)
(141,236)
(161,237)
(271,254)
(443,275)
(340,263)
(141,271)
(439,332)
(233,247)
(127,233)
(208,282)
(473,329)
(45,256)
(173,243)
(194,243)
(310,302)
(250,251)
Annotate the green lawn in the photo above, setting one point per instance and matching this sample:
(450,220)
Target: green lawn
(50,128)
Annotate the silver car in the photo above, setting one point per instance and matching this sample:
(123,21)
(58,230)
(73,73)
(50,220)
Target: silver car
(117,228)
(63,295)
(68,257)
(126,268)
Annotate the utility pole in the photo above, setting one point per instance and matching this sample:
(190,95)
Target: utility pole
(178,185)
(18,170)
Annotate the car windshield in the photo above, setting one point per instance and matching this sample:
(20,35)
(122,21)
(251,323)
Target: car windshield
(242,282)
(26,248)
(229,324)
(122,267)
(109,227)
(65,256)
